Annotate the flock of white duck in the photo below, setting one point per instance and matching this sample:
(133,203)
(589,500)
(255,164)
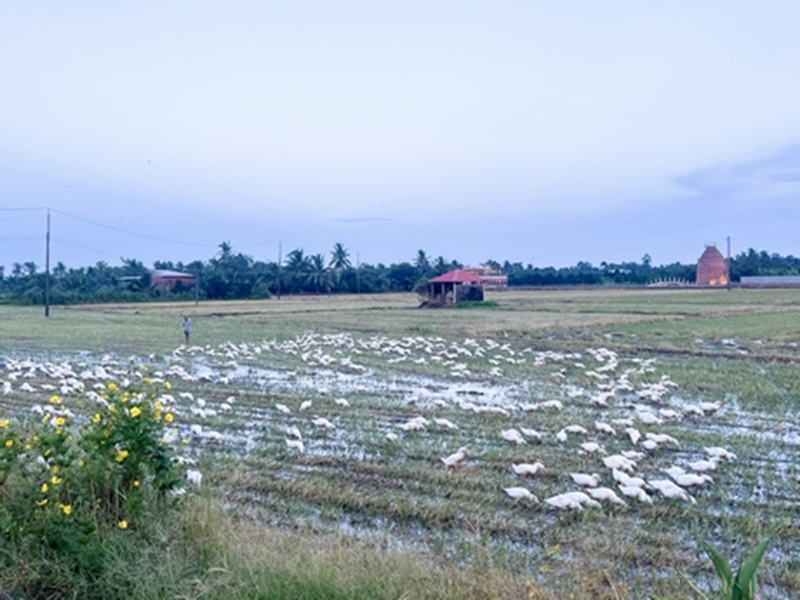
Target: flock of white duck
(638,408)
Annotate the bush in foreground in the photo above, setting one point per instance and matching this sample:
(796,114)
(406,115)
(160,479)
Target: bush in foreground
(81,482)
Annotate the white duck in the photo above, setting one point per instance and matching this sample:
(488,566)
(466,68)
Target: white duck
(604,428)
(604,494)
(295,445)
(527,468)
(585,480)
(670,490)
(530,433)
(455,458)
(520,492)
(592,447)
(563,502)
(513,436)
(617,461)
(633,491)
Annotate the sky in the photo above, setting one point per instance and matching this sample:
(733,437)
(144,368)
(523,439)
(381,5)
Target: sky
(540,132)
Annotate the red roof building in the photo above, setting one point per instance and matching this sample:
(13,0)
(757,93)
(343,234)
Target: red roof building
(454,285)
(712,268)
(490,278)
(457,276)
(164,279)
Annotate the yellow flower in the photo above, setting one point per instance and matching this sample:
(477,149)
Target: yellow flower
(97,418)
(4,423)
(168,385)
(46,417)
(169,418)
(80,463)
(42,502)
(136,411)
(9,443)
(44,488)
(55,400)
(157,417)
(112,386)
(122,524)
(55,480)
(54,469)
(28,446)
(147,380)
(112,409)
(122,455)
(136,483)
(67,508)
(60,421)
(185,440)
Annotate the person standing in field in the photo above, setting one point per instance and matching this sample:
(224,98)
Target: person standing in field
(187,328)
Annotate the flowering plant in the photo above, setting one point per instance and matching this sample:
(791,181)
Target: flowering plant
(84,470)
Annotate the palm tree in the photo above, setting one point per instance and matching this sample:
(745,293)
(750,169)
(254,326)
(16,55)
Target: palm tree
(422,263)
(318,274)
(340,258)
(30,267)
(225,249)
(297,266)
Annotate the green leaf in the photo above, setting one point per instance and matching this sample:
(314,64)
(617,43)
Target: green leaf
(695,589)
(720,564)
(745,583)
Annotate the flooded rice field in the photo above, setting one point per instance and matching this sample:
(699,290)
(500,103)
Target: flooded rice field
(475,449)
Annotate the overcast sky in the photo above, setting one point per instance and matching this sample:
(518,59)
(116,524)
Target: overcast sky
(541,132)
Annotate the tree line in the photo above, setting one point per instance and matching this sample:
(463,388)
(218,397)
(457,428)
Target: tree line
(232,275)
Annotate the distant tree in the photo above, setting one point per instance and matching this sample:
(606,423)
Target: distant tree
(30,267)
(340,258)
(422,263)
(297,266)
(439,266)
(225,249)
(318,277)
(403,276)
(60,269)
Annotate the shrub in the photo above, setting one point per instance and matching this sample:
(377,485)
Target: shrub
(79,476)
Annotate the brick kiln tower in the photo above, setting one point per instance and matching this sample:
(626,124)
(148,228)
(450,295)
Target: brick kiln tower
(712,268)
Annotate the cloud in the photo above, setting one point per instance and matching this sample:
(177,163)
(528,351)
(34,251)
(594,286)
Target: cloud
(773,177)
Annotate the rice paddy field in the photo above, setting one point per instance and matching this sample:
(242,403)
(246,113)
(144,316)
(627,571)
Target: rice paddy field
(451,435)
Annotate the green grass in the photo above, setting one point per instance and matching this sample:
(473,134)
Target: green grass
(398,496)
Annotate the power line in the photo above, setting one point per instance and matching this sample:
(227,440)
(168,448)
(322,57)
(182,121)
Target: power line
(133,233)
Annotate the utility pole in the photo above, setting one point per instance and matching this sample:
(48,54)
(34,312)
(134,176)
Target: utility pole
(280,259)
(728,263)
(47,269)
(358,273)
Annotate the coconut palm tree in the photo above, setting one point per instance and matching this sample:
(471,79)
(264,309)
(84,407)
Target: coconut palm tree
(422,263)
(318,274)
(225,249)
(297,267)
(340,258)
